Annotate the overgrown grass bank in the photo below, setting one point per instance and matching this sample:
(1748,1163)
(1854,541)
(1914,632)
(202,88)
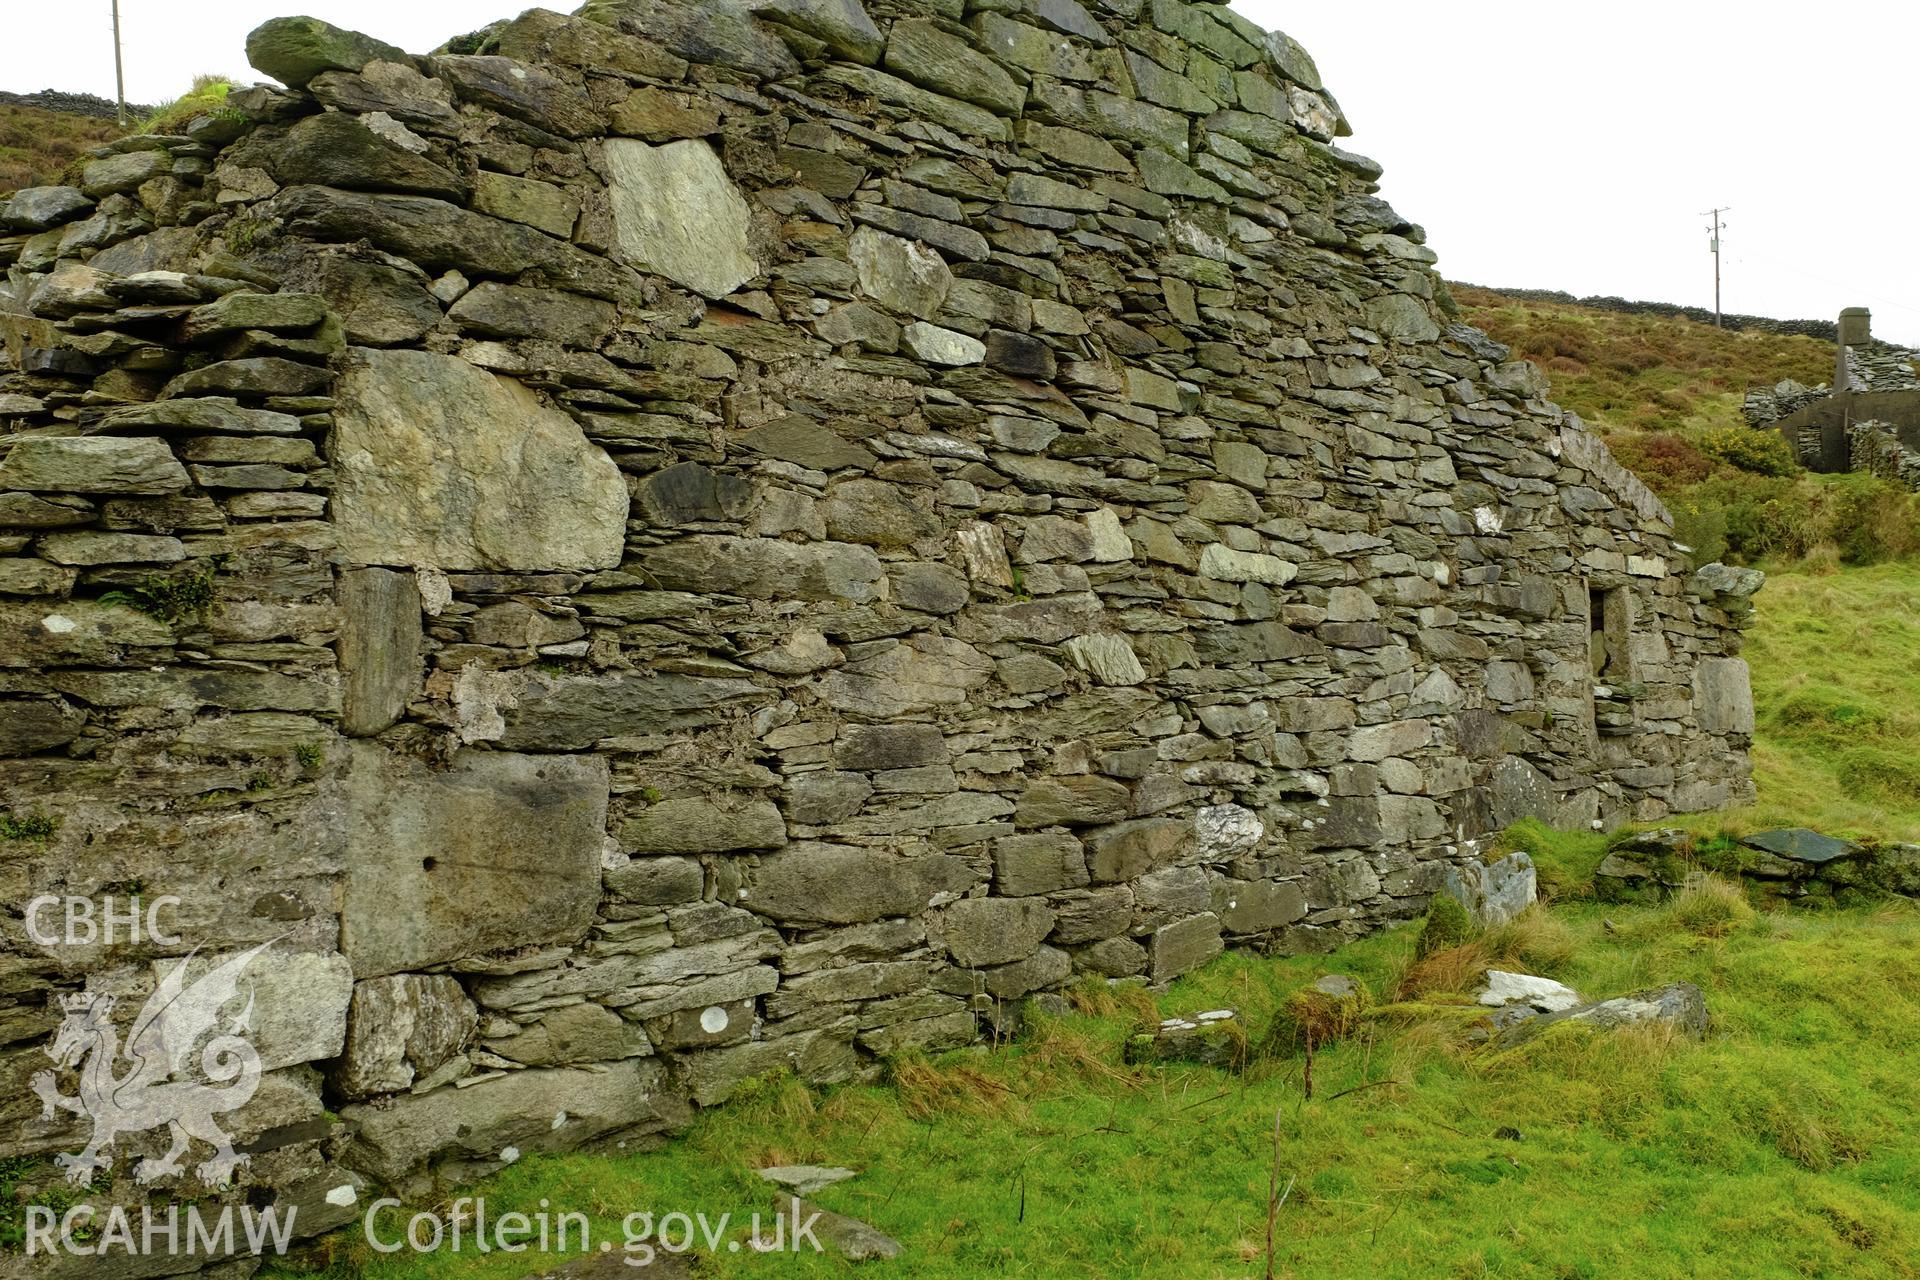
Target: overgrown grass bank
(1836,684)
(1782,1145)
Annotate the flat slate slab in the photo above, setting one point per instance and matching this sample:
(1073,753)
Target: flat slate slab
(1802,845)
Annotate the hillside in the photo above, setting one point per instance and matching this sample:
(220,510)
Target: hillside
(37,144)
(1636,373)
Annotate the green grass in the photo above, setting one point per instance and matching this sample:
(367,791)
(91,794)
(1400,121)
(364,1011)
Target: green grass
(208,96)
(1836,689)
(1782,1145)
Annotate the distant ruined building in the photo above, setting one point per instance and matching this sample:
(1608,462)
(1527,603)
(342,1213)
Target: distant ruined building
(699,539)
(1868,420)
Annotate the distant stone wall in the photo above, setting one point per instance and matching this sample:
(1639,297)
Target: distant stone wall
(662,546)
(73,104)
(1825,330)
(1880,449)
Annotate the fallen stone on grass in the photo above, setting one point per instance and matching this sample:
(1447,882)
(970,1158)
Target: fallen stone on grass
(805,1179)
(851,1238)
(1542,995)
(1679,1005)
(1216,1038)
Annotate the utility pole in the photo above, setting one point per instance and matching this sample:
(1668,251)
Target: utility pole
(1714,229)
(119,71)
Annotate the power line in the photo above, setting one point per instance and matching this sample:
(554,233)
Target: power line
(1714,229)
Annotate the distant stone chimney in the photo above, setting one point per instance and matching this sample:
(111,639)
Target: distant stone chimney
(1856,330)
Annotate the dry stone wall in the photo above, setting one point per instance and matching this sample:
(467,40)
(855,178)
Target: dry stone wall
(689,540)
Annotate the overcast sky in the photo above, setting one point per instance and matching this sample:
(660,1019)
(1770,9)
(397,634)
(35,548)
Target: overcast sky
(1551,146)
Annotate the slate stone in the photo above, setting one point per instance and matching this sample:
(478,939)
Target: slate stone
(1184,946)
(1021,355)
(696,824)
(1722,695)
(571,713)
(24,576)
(519,91)
(514,483)
(930,588)
(1260,906)
(554,39)
(676,213)
(92,464)
(96,547)
(251,376)
(808,883)
(920,51)
(877,513)
(300,1000)
(715,32)
(990,931)
(472,1126)
(272,312)
(335,150)
(1801,845)
(842,25)
(40,725)
(117,174)
(1043,862)
(377,305)
(572,1034)
(1127,850)
(391,88)
(1073,800)
(890,746)
(78,633)
(27,511)
(399,1029)
(540,205)
(39,208)
(688,491)
(498,850)
(939,346)
(899,274)
(379,648)
(764,568)
(513,311)
(826,796)
(438,235)
(806,443)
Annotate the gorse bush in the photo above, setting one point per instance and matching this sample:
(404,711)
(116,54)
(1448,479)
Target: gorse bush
(1764,453)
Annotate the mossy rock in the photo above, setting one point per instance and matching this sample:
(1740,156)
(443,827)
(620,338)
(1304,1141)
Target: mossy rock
(1331,1009)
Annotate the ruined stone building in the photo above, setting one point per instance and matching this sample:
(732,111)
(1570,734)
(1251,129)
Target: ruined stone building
(657,546)
(1868,420)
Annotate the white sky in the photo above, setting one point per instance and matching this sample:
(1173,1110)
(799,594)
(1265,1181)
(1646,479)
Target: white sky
(1543,145)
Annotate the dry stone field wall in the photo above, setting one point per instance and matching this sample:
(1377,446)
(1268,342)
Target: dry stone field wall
(664,545)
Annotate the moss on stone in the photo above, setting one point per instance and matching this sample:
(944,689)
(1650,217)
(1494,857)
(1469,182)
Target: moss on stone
(1447,925)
